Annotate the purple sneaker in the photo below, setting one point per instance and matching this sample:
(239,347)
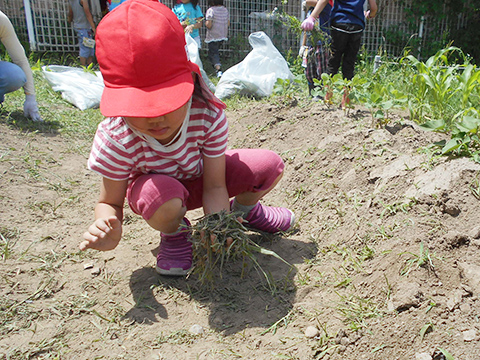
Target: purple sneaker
(175,254)
(270,219)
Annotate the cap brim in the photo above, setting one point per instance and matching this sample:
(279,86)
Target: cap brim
(150,101)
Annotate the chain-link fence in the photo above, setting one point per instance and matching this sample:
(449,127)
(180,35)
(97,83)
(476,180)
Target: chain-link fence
(389,32)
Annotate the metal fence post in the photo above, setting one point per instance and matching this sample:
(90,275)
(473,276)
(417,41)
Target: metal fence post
(30,28)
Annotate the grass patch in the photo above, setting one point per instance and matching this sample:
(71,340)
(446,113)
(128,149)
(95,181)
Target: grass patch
(221,237)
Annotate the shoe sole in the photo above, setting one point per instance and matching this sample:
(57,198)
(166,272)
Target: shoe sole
(172,271)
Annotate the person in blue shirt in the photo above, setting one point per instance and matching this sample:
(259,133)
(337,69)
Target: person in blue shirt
(191,17)
(347,20)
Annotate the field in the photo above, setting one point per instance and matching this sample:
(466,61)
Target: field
(385,252)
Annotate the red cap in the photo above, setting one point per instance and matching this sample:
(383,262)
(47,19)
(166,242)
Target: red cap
(141,50)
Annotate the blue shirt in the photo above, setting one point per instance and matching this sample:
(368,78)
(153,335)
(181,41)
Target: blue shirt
(188,12)
(349,12)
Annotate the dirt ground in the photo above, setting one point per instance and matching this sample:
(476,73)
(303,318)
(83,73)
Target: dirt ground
(385,252)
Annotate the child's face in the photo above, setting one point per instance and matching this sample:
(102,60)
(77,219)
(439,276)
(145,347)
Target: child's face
(163,128)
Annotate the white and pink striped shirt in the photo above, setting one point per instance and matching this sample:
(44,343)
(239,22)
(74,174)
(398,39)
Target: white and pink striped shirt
(119,153)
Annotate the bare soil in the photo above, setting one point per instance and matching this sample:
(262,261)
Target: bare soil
(385,252)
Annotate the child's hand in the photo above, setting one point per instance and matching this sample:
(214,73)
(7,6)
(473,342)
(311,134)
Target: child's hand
(103,234)
(308,24)
(189,29)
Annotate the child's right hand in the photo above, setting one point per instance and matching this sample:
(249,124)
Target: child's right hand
(308,24)
(103,234)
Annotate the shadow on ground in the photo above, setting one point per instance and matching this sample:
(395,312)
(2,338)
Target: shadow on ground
(235,302)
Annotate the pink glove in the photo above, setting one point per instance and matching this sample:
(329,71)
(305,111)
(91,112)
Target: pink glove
(308,23)
(30,108)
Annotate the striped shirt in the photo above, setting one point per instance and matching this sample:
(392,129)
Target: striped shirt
(220,17)
(120,153)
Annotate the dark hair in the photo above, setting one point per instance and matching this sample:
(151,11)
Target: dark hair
(194,3)
(215,2)
(199,93)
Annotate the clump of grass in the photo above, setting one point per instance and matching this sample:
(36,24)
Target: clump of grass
(221,237)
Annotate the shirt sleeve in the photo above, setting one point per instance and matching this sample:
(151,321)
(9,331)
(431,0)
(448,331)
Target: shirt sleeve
(108,157)
(16,51)
(198,12)
(209,14)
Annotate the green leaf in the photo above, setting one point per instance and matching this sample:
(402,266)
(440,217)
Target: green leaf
(434,125)
(469,124)
(425,329)
(451,145)
(447,355)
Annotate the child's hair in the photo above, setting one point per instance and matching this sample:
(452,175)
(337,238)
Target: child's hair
(215,3)
(194,3)
(198,93)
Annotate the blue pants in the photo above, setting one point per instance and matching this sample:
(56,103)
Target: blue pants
(12,78)
(85,52)
(213,52)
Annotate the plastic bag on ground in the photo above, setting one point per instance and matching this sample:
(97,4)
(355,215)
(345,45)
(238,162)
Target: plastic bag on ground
(78,87)
(257,74)
(194,56)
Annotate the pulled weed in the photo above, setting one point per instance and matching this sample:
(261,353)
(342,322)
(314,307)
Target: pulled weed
(220,237)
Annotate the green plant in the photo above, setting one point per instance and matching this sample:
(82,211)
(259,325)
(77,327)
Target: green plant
(356,310)
(220,237)
(422,259)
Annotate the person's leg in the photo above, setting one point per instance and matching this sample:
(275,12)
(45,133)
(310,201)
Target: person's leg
(311,69)
(251,174)
(86,56)
(339,43)
(350,56)
(12,78)
(161,200)
(213,54)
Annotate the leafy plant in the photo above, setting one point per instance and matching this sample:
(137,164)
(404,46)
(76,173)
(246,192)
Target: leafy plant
(220,237)
(422,259)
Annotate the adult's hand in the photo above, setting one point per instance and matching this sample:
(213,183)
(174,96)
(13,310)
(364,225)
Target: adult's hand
(30,108)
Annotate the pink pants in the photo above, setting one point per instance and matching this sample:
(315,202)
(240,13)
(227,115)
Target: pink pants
(247,170)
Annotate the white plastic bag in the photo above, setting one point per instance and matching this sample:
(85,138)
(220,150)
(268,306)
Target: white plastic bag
(257,73)
(78,87)
(194,56)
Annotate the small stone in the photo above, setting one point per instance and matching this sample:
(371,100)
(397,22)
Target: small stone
(344,341)
(196,329)
(87,266)
(469,335)
(95,271)
(422,356)
(311,332)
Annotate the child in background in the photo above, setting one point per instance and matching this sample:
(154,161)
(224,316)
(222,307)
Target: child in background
(79,13)
(347,20)
(317,54)
(217,20)
(163,146)
(18,73)
(190,16)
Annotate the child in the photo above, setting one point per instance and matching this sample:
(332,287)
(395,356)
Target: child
(17,74)
(79,13)
(317,55)
(163,145)
(347,24)
(190,16)
(217,22)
